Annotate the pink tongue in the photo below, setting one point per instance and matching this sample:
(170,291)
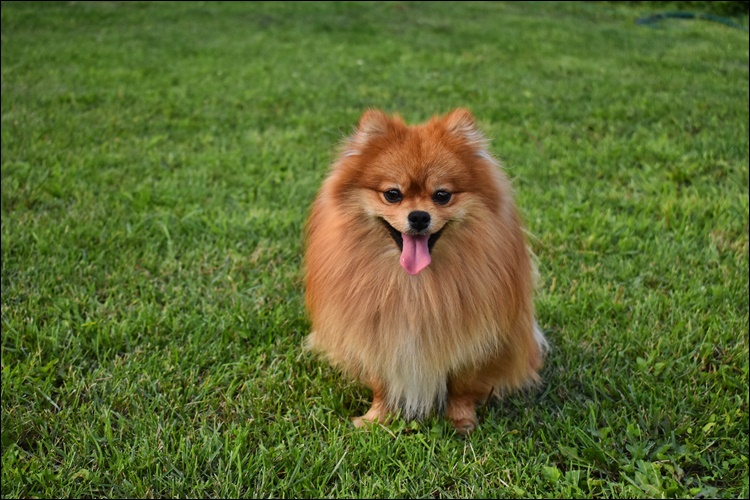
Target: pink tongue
(415,255)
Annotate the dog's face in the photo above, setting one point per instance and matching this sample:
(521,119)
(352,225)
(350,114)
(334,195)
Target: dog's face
(416,183)
(415,200)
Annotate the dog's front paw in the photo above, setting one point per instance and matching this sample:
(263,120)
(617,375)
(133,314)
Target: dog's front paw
(360,422)
(365,422)
(464,426)
(462,415)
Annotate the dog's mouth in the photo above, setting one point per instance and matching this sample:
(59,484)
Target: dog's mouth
(415,249)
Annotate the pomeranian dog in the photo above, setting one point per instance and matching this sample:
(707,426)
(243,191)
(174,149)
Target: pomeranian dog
(418,279)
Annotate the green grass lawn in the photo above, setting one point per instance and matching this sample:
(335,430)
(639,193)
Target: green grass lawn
(158,162)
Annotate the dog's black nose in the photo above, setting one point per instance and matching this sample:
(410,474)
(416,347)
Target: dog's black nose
(419,220)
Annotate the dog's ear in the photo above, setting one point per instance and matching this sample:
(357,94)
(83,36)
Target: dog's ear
(374,123)
(460,123)
(459,120)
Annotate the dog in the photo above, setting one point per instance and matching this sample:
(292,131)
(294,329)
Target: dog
(418,279)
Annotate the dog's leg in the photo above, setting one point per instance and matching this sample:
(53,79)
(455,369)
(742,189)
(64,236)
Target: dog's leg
(512,368)
(377,412)
(462,414)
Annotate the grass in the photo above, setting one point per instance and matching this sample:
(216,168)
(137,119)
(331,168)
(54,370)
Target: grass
(158,161)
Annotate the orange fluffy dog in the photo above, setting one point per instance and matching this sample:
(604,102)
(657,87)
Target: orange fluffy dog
(418,278)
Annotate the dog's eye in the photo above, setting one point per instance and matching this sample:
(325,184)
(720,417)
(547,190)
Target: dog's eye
(393,196)
(441,197)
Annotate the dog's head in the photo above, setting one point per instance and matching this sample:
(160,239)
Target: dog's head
(414,184)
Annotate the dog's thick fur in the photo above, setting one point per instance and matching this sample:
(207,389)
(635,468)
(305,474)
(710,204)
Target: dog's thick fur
(459,330)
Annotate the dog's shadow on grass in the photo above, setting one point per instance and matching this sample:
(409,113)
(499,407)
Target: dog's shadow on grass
(570,382)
